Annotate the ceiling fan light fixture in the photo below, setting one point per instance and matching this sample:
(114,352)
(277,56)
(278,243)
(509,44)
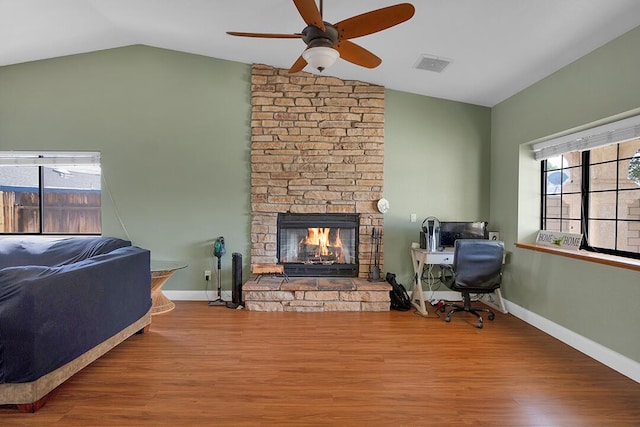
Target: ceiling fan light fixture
(320,58)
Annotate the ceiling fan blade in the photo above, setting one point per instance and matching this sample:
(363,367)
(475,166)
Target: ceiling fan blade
(374,21)
(310,13)
(356,54)
(265,35)
(298,65)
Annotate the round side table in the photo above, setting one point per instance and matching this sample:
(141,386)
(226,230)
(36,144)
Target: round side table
(161,271)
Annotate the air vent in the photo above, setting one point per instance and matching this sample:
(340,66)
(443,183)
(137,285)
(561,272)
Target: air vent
(432,63)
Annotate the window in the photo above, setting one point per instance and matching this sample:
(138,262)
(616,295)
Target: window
(50,193)
(594,191)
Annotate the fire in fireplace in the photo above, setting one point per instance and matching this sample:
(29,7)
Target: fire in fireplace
(318,244)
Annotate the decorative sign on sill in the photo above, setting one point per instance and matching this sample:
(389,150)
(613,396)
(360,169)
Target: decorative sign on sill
(569,241)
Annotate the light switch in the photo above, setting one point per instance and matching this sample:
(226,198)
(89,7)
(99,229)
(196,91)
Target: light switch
(413,217)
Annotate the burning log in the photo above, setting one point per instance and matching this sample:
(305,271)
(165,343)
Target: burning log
(317,247)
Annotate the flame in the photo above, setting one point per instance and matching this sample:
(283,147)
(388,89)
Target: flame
(320,237)
(338,242)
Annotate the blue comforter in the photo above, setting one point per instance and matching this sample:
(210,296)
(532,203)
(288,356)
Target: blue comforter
(61,298)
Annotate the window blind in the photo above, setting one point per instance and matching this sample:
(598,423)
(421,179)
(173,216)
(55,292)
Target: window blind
(599,136)
(33,158)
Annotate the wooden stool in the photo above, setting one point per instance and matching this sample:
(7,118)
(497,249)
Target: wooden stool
(272,270)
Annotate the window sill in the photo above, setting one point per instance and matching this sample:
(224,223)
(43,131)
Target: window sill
(611,260)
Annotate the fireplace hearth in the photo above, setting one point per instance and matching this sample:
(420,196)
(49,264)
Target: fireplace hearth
(318,245)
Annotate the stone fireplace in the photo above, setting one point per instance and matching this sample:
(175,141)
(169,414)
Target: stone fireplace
(317,148)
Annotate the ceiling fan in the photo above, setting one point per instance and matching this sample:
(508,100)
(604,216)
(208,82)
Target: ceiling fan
(326,42)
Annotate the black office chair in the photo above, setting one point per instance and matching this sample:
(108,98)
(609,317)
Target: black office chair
(476,269)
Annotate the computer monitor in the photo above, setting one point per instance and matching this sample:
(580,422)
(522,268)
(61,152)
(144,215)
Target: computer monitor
(450,231)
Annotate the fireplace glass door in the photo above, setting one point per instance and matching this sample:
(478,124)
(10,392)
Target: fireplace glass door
(318,244)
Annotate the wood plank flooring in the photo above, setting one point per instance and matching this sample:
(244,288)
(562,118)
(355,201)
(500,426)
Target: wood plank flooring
(201,365)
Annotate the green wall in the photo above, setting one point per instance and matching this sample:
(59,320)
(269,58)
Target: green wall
(437,163)
(596,301)
(173,130)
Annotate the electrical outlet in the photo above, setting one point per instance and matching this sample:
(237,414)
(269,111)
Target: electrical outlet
(413,218)
(207,275)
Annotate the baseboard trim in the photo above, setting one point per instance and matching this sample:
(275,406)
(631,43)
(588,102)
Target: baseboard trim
(196,295)
(616,361)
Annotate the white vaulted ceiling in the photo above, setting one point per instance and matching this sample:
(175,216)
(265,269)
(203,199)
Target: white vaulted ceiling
(496,47)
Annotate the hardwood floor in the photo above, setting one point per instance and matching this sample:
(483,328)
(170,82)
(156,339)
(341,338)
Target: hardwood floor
(201,365)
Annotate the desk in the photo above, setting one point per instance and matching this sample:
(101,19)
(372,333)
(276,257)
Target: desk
(161,271)
(422,257)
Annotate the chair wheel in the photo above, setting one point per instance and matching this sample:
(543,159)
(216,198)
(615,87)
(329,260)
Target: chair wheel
(492,316)
(447,319)
(479,325)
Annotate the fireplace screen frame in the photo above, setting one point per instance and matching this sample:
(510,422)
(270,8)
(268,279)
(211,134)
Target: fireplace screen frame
(319,220)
